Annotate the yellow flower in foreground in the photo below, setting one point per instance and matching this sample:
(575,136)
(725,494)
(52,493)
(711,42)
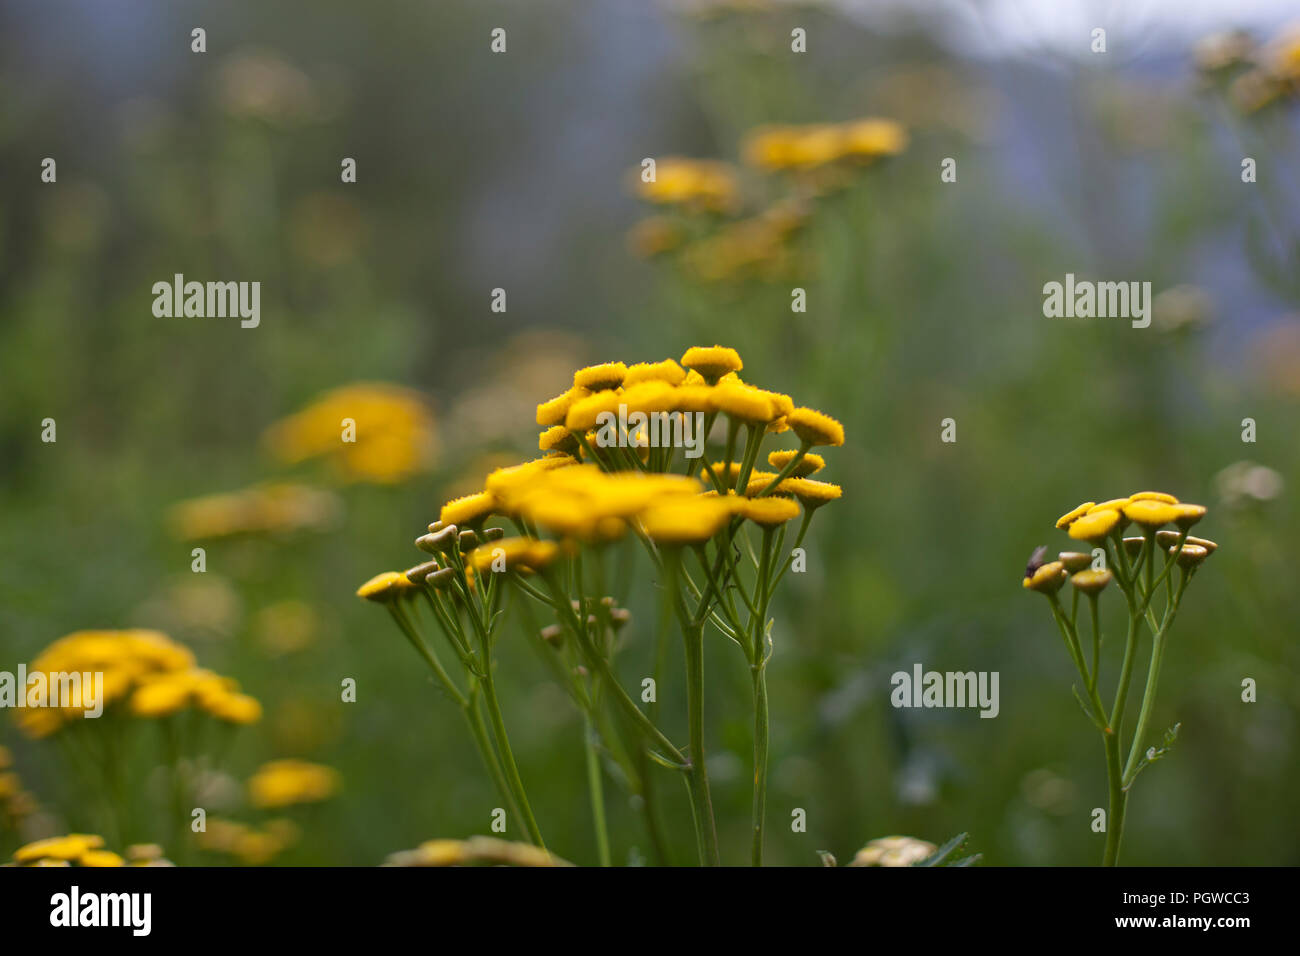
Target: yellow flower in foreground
(1187,515)
(769,511)
(598,377)
(744,402)
(1046,579)
(283,783)
(1150,514)
(712,362)
(815,428)
(665,371)
(467,509)
(384,587)
(1095,525)
(70,847)
(1153,496)
(809,464)
(100,858)
(1092,581)
(810,492)
(510,553)
(1069,517)
(686,521)
(552,411)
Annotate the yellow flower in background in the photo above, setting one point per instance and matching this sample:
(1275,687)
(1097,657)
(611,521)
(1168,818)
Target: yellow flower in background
(283,783)
(250,845)
(155,675)
(777,148)
(487,851)
(277,508)
(372,432)
(678,181)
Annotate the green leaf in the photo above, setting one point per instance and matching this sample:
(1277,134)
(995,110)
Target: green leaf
(938,856)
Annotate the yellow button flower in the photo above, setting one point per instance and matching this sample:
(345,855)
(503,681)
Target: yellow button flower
(1069,517)
(809,464)
(815,428)
(712,362)
(1095,525)
(600,377)
(1149,513)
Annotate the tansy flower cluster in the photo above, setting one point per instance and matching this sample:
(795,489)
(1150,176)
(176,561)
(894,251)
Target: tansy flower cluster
(274,508)
(392,435)
(146,673)
(250,845)
(85,849)
(1151,567)
(704,225)
(16,803)
(1256,76)
(669,454)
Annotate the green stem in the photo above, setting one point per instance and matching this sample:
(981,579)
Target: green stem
(698,776)
(1118,800)
(596,788)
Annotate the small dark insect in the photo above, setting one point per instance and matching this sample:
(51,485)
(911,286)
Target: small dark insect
(1036,560)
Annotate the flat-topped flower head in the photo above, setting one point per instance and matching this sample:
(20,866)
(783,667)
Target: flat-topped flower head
(584,414)
(552,411)
(557,438)
(1149,513)
(693,398)
(809,464)
(1092,581)
(511,554)
(768,512)
(1188,515)
(814,427)
(1190,555)
(1095,525)
(1154,496)
(812,494)
(666,371)
(686,521)
(712,362)
(1168,539)
(1069,517)
(1114,504)
(384,587)
(1074,560)
(1047,579)
(744,403)
(650,397)
(598,377)
(467,509)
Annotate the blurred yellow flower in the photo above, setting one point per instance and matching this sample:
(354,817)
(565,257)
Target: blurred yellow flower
(283,783)
(372,432)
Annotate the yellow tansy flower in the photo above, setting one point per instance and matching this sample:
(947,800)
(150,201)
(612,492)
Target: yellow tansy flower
(712,362)
(814,427)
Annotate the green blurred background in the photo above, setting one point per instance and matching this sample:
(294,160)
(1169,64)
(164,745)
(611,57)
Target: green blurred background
(479,171)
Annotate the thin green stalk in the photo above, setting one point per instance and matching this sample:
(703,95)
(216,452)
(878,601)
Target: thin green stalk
(596,788)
